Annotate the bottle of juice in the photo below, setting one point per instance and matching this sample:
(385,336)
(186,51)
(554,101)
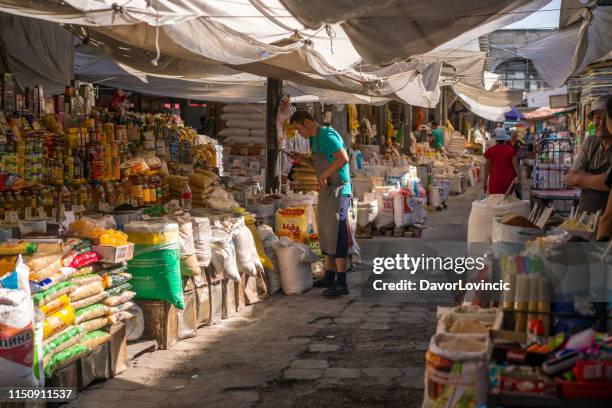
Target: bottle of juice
(152,190)
(158,190)
(2,206)
(146,191)
(186,196)
(137,193)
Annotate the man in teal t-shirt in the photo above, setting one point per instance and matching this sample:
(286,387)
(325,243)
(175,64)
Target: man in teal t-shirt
(438,136)
(330,160)
(328,141)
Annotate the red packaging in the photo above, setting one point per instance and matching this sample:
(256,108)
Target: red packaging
(85,259)
(586,389)
(527,384)
(595,370)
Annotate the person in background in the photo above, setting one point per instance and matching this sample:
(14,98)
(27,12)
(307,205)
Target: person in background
(501,167)
(491,139)
(438,136)
(605,224)
(593,162)
(331,163)
(517,144)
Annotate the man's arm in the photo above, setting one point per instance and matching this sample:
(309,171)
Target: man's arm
(302,158)
(517,168)
(605,224)
(587,180)
(340,159)
(485,176)
(582,160)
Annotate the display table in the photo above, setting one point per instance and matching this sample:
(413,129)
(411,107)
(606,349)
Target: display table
(544,197)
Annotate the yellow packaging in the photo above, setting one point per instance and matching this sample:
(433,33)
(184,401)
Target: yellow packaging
(55,305)
(57,321)
(261,252)
(292,222)
(7,264)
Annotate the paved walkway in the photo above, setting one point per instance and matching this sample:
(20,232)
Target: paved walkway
(299,351)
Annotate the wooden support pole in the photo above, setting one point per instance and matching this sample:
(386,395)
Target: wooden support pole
(381,127)
(273,99)
(407,128)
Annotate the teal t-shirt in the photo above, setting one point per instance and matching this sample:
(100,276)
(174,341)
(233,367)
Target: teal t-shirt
(438,135)
(328,142)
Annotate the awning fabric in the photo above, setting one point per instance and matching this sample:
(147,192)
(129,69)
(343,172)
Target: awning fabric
(237,88)
(490,105)
(37,52)
(383,31)
(216,43)
(585,39)
(545,112)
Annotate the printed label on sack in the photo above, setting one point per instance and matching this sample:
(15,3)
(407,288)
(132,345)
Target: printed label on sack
(292,211)
(16,344)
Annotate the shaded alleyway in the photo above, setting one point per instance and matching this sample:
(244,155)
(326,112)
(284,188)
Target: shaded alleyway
(299,351)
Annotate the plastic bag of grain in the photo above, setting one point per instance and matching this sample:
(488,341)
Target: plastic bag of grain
(155,268)
(61,341)
(58,321)
(224,253)
(386,206)
(246,254)
(189,260)
(201,240)
(63,358)
(367,213)
(95,338)
(135,325)
(294,262)
(268,239)
(480,222)
(456,370)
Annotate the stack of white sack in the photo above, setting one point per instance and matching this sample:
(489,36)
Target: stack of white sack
(245,124)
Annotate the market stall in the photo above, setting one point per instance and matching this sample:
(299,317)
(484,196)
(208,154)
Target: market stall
(119,226)
(542,341)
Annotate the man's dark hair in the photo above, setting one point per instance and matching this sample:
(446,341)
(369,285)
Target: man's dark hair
(300,116)
(434,124)
(609,106)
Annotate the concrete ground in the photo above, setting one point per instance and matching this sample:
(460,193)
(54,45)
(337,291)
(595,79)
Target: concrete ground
(300,351)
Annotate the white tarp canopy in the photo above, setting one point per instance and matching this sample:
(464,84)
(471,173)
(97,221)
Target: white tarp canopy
(383,31)
(237,43)
(584,37)
(490,105)
(238,88)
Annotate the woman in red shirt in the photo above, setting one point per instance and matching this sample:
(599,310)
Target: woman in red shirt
(501,166)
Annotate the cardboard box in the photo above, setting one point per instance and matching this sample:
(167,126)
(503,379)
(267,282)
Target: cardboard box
(161,322)
(250,290)
(95,365)
(188,317)
(216,302)
(65,377)
(203,305)
(240,298)
(229,298)
(113,254)
(118,354)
